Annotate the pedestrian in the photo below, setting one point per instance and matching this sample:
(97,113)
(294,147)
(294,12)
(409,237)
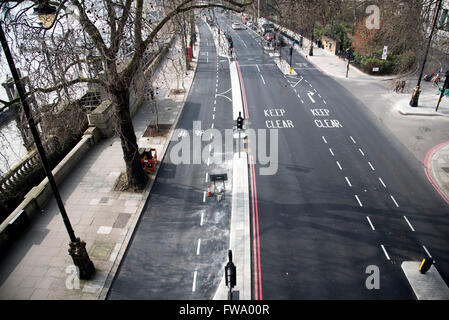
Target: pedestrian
(403,83)
(397,85)
(436,80)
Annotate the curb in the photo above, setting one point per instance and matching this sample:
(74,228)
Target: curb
(429,170)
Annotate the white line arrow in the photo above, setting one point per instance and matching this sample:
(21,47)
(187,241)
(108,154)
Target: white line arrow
(310,94)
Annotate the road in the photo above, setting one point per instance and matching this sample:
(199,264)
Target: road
(346,195)
(180,244)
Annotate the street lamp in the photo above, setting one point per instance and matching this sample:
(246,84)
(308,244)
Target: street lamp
(417,89)
(77,248)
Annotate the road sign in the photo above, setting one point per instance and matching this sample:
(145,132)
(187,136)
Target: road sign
(384,53)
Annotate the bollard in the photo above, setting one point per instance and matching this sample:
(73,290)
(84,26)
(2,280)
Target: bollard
(425,265)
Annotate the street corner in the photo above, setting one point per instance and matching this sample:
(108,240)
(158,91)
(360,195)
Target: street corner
(436,166)
(428,105)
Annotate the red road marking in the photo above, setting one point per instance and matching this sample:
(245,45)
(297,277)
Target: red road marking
(256,238)
(242,85)
(429,176)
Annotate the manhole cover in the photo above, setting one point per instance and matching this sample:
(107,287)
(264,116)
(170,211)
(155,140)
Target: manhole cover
(101,250)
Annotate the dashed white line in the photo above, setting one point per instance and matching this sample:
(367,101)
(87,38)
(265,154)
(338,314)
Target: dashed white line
(347,180)
(409,224)
(202,214)
(385,251)
(207,173)
(212,125)
(194,281)
(370,223)
(208,161)
(257,68)
(428,253)
(215,101)
(213,116)
(198,247)
(324,139)
(204,199)
(361,152)
(358,200)
(332,153)
(394,200)
(324,101)
(353,139)
(381,181)
(263,79)
(339,166)
(302,101)
(372,168)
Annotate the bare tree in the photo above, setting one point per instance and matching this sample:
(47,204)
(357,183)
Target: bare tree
(105,27)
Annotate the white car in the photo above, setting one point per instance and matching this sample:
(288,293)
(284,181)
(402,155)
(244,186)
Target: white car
(237,26)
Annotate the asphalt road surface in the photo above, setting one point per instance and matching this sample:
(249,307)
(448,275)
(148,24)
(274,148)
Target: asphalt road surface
(346,196)
(180,244)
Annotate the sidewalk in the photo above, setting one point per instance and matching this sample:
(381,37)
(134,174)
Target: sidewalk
(37,266)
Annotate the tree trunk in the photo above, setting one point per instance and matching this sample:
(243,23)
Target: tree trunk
(137,178)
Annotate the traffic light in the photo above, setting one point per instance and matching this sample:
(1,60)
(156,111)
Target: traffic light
(240,122)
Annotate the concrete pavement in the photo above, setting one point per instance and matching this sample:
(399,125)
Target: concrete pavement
(37,265)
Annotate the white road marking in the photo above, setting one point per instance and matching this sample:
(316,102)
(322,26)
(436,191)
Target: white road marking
(324,101)
(215,101)
(324,139)
(194,281)
(428,253)
(212,127)
(202,214)
(394,200)
(204,199)
(372,168)
(213,116)
(347,180)
(319,95)
(263,79)
(214,109)
(332,153)
(299,96)
(208,161)
(361,152)
(198,247)
(257,68)
(358,200)
(302,101)
(352,139)
(339,166)
(381,181)
(370,223)
(310,94)
(409,224)
(207,173)
(385,251)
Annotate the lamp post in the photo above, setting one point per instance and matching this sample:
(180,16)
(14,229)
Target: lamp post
(77,248)
(417,89)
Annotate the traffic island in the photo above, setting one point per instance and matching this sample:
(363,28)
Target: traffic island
(427,286)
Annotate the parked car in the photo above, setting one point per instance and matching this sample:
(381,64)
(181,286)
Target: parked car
(250,24)
(237,26)
(245,20)
(269,36)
